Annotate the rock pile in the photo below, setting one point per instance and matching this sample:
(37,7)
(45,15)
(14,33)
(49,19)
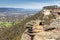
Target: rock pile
(32,29)
(36,30)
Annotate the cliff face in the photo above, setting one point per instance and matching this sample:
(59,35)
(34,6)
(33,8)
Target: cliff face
(39,31)
(51,25)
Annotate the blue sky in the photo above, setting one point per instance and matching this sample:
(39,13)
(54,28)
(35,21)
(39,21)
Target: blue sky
(28,4)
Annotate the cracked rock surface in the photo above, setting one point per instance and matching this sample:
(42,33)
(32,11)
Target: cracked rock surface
(42,32)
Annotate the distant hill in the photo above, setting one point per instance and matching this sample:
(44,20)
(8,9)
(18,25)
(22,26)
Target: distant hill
(10,9)
(21,10)
(17,11)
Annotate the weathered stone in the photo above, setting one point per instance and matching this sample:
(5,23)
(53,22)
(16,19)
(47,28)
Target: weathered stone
(37,31)
(32,30)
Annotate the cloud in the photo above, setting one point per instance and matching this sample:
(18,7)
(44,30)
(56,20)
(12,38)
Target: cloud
(35,5)
(32,5)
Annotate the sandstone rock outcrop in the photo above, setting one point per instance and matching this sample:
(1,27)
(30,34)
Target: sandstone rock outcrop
(32,28)
(37,30)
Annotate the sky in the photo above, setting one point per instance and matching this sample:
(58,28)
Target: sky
(28,4)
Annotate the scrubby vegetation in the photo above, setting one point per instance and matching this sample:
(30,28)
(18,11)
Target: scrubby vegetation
(14,33)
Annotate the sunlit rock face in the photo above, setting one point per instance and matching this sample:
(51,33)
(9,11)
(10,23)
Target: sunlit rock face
(32,28)
(54,10)
(35,31)
(57,16)
(35,26)
(46,12)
